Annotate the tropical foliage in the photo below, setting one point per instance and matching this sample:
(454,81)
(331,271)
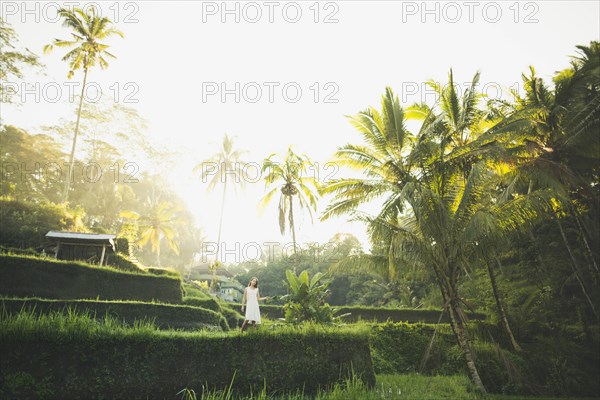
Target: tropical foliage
(471,177)
(291,180)
(306,300)
(156,224)
(12,60)
(88,28)
(488,205)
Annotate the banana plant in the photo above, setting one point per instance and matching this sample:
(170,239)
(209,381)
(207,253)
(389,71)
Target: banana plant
(306,298)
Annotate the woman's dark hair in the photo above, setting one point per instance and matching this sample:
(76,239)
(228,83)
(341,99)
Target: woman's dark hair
(250,281)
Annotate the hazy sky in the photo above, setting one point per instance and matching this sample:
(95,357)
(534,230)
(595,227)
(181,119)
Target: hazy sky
(291,71)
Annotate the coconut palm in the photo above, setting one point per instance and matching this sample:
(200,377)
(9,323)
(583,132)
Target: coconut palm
(382,160)
(438,210)
(230,169)
(455,134)
(88,29)
(288,178)
(155,224)
(393,157)
(448,128)
(450,233)
(557,148)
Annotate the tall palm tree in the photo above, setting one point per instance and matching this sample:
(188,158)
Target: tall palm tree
(453,137)
(452,231)
(447,130)
(289,179)
(88,29)
(558,148)
(155,224)
(230,170)
(438,206)
(383,160)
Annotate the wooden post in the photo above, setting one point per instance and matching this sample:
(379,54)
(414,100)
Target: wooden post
(103,252)
(57,247)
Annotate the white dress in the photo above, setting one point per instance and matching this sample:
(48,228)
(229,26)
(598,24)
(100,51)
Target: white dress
(252,310)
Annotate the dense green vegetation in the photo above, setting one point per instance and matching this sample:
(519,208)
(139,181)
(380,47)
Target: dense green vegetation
(376,314)
(30,201)
(487,227)
(135,362)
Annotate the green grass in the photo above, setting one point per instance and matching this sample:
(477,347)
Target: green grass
(388,387)
(378,314)
(52,260)
(74,325)
(144,360)
(194,291)
(26,276)
(166,316)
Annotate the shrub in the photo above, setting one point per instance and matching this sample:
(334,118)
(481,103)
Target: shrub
(234,318)
(25,224)
(376,314)
(25,276)
(500,370)
(192,290)
(16,250)
(564,362)
(400,347)
(81,360)
(122,245)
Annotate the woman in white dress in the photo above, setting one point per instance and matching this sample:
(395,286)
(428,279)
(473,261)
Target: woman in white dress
(251,297)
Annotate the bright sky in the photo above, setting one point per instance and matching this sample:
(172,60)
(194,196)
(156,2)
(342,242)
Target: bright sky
(178,57)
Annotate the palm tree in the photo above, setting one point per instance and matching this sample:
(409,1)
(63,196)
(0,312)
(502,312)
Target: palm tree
(230,169)
(438,209)
(288,178)
(447,130)
(155,224)
(557,148)
(382,159)
(454,135)
(387,169)
(449,232)
(87,31)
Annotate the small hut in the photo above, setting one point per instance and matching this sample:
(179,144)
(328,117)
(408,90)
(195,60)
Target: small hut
(89,247)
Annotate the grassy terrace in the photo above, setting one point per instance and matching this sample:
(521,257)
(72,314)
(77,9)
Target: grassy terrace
(72,355)
(88,335)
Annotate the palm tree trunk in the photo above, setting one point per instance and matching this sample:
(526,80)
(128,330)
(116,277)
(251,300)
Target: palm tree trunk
(533,239)
(214,269)
(590,254)
(500,307)
(293,229)
(455,312)
(72,155)
(574,266)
